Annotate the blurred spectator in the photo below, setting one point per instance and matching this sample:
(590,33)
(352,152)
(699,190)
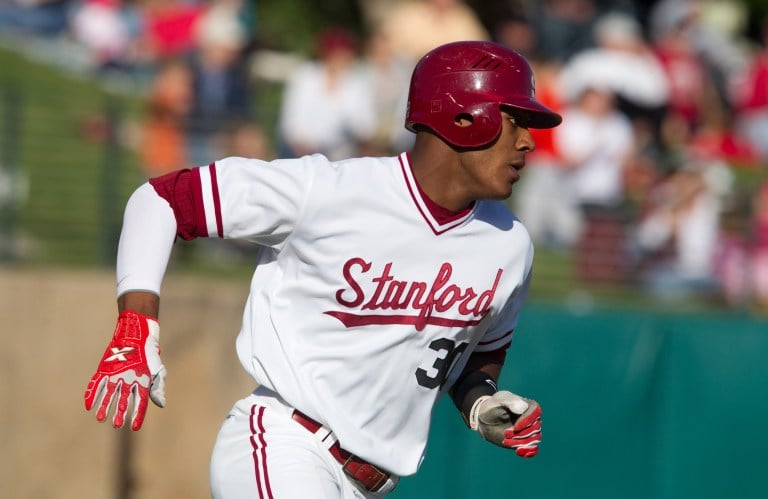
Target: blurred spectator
(169,28)
(750,98)
(564,27)
(721,37)
(670,15)
(248,140)
(100,26)
(742,257)
(759,264)
(692,92)
(221,96)
(328,106)
(715,138)
(732,267)
(516,32)
(544,200)
(623,62)
(678,234)
(388,77)
(716,30)
(596,141)
(163,138)
(417,26)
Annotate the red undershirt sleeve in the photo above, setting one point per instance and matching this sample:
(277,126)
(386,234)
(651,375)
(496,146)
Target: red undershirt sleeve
(181,189)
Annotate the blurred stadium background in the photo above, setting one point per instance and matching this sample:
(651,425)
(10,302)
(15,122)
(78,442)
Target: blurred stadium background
(645,393)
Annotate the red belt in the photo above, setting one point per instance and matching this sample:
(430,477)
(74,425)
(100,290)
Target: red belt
(368,475)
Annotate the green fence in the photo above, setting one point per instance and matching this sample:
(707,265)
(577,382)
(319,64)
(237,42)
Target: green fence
(635,406)
(65,165)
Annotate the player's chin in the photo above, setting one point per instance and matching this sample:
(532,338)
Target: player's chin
(513,177)
(501,193)
(501,188)
(507,187)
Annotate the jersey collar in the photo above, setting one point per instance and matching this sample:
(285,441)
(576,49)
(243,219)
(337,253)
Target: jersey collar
(438,218)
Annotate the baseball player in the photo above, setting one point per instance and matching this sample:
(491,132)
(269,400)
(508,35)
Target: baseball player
(382,284)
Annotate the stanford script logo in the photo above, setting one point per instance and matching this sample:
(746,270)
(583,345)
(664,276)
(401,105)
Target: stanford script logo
(418,303)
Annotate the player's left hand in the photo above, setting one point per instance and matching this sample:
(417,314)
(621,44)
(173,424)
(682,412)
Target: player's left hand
(130,371)
(508,420)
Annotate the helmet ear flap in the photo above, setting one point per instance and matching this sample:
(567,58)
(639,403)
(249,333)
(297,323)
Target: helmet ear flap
(474,127)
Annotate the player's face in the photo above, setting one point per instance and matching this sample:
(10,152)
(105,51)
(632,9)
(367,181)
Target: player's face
(491,172)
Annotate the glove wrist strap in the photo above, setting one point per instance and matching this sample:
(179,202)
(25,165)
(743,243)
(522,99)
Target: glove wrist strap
(475,410)
(133,325)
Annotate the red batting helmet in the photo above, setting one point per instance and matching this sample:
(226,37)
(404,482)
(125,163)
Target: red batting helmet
(471,80)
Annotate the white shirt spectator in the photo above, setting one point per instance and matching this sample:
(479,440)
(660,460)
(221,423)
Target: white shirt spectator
(596,145)
(622,62)
(99,25)
(329,120)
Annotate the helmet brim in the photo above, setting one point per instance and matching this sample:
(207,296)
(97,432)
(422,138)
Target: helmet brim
(541,116)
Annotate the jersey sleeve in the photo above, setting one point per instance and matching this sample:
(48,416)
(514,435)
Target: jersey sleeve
(239,198)
(235,197)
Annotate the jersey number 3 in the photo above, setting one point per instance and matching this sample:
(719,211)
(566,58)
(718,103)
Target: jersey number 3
(447,354)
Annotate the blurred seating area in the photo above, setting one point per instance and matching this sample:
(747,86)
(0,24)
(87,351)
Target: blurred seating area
(655,182)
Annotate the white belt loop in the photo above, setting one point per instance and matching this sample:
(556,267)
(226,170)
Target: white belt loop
(326,436)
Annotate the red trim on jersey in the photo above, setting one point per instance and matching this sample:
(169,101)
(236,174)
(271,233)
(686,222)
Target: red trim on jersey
(259,452)
(201,228)
(413,195)
(216,200)
(181,189)
(352,320)
(441,215)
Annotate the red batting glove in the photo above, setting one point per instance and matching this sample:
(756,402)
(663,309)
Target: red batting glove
(508,420)
(130,371)
(525,436)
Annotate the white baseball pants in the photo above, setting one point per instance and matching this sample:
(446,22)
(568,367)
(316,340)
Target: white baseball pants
(262,453)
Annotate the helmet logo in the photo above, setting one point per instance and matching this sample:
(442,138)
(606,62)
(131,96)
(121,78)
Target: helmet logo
(436,106)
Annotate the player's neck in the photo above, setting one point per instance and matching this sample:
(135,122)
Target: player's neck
(432,162)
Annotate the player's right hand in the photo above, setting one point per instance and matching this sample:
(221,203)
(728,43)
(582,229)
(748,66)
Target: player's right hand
(130,372)
(508,420)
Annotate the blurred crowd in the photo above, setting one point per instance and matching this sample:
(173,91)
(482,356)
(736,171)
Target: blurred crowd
(656,178)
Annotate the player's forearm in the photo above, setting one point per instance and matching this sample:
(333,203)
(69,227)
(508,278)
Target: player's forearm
(146,240)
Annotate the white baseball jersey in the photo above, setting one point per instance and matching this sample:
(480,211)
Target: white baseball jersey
(366,301)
